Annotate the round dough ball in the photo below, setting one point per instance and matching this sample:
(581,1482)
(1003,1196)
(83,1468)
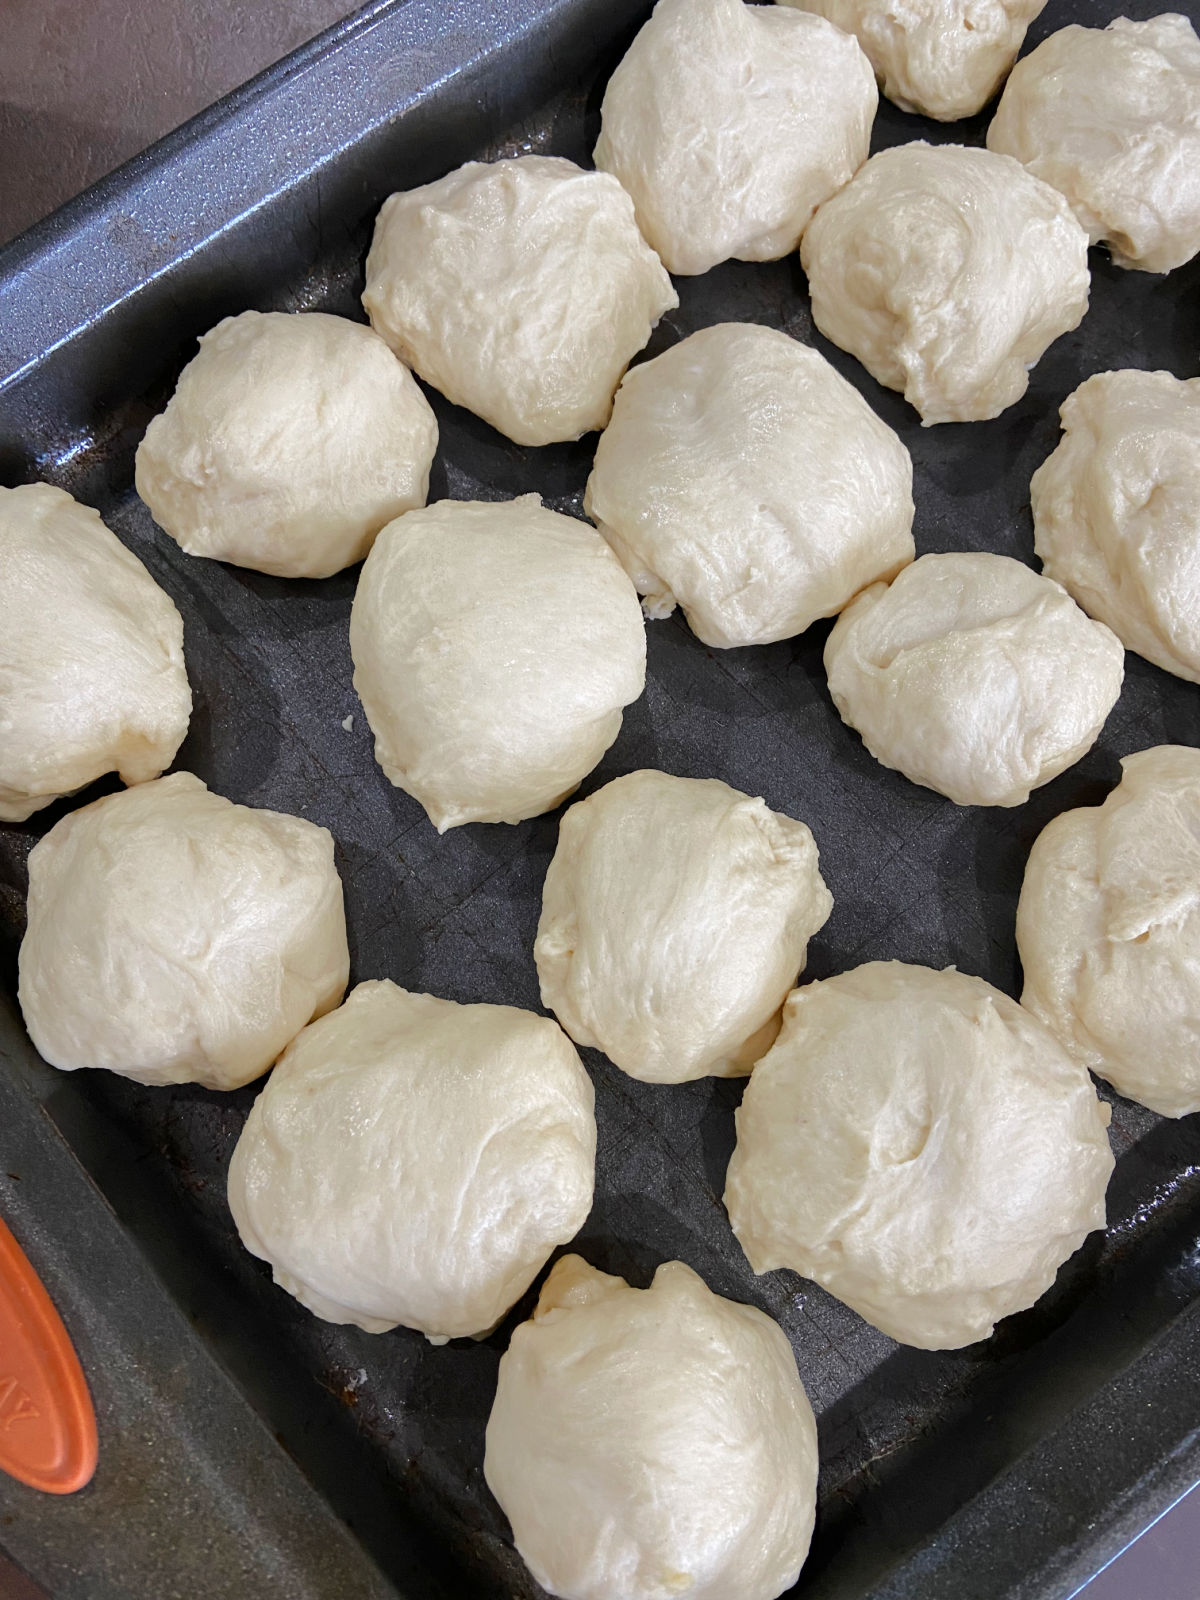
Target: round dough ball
(175,937)
(290,440)
(652,1442)
(92,678)
(1108,928)
(922,1147)
(939,58)
(1116,511)
(973,676)
(415,1161)
(742,478)
(1111,117)
(947,271)
(730,124)
(494,646)
(521,289)
(676,915)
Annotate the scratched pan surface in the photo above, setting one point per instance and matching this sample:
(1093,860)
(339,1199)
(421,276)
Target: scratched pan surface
(1010,1469)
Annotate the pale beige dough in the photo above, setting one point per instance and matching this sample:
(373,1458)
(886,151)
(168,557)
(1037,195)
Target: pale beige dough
(948,272)
(675,917)
(289,441)
(521,289)
(923,1147)
(744,479)
(413,1161)
(175,937)
(652,1444)
(729,124)
(973,675)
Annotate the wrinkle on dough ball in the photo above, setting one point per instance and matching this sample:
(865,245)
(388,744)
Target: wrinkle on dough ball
(939,58)
(729,124)
(921,1146)
(520,289)
(744,479)
(1116,511)
(494,645)
(974,676)
(175,937)
(675,917)
(290,440)
(92,677)
(1108,928)
(652,1442)
(1111,117)
(948,272)
(413,1161)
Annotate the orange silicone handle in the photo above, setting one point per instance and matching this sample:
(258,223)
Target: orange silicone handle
(47,1425)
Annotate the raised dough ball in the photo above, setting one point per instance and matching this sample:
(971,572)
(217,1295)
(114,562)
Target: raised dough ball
(940,58)
(494,646)
(521,289)
(175,937)
(92,678)
(947,271)
(973,676)
(921,1146)
(289,441)
(675,917)
(1109,931)
(742,478)
(416,1161)
(1116,511)
(730,124)
(652,1443)
(1111,117)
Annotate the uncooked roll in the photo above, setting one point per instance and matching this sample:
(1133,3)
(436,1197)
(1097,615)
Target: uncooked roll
(742,478)
(939,58)
(653,1442)
(947,271)
(921,1146)
(730,124)
(1111,117)
(415,1161)
(1116,511)
(973,676)
(1108,927)
(494,647)
(92,677)
(289,441)
(521,289)
(675,917)
(175,937)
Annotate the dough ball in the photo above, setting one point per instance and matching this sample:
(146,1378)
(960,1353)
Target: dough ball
(742,478)
(730,124)
(1116,511)
(521,289)
(494,646)
(653,1442)
(92,678)
(973,676)
(947,271)
(1111,117)
(922,1147)
(415,1161)
(676,915)
(289,441)
(1109,931)
(175,937)
(939,58)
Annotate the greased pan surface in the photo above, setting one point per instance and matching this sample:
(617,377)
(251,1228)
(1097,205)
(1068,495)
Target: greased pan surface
(241,1437)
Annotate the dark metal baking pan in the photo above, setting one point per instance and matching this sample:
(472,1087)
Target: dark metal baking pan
(249,1449)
